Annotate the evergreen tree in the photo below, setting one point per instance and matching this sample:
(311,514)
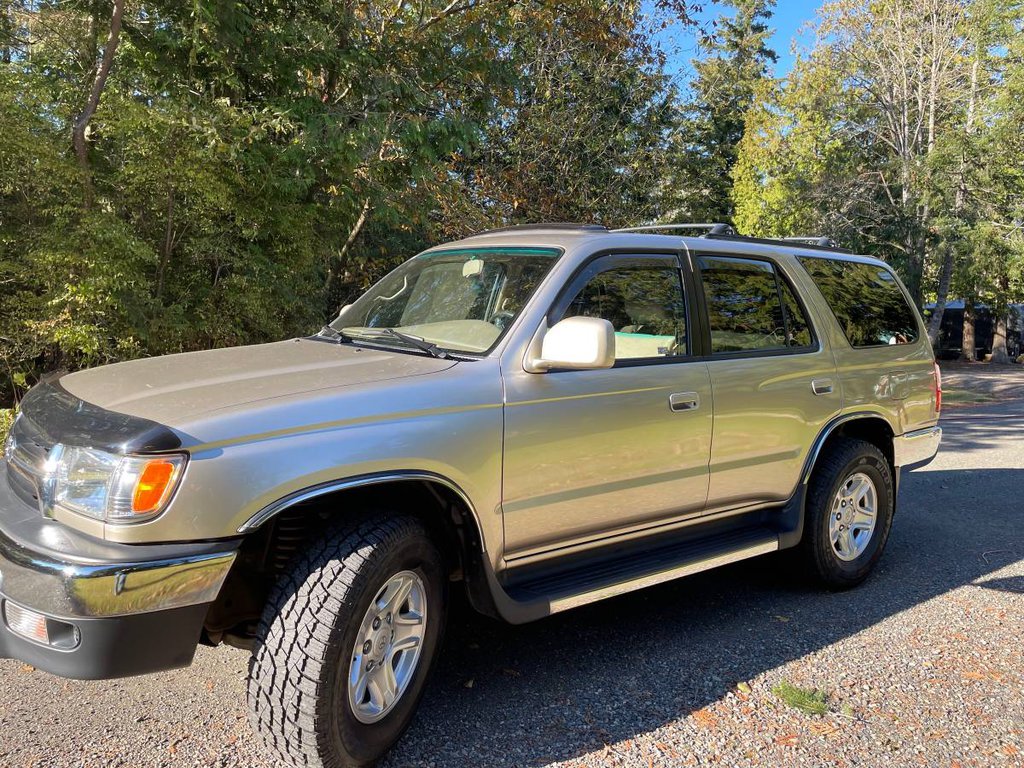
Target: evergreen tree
(736,62)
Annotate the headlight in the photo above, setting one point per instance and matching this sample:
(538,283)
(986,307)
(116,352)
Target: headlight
(109,487)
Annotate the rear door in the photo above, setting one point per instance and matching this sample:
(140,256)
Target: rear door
(773,377)
(592,454)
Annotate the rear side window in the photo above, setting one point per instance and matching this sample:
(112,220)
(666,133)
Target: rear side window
(751,307)
(866,300)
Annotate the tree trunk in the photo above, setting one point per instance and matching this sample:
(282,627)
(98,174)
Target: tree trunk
(999,352)
(167,247)
(968,349)
(959,200)
(338,267)
(82,121)
(942,294)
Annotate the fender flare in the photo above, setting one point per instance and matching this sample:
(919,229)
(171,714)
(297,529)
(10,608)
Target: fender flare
(479,577)
(826,433)
(358,481)
(791,519)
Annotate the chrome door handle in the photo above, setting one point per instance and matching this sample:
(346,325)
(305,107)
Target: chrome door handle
(821,386)
(684,401)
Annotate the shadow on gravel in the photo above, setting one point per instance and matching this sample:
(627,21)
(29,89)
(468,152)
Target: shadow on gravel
(973,429)
(1009,584)
(517,696)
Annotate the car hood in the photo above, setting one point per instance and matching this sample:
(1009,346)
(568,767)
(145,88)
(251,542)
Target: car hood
(174,389)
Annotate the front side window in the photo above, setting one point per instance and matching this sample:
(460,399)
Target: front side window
(751,307)
(866,300)
(461,300)
(643,301)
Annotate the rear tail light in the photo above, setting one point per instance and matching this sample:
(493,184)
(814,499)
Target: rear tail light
(938,389)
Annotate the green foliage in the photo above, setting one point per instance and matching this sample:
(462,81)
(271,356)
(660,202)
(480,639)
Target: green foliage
(811,701)
(248,169)
(909,151)
(731,77)
(6,419)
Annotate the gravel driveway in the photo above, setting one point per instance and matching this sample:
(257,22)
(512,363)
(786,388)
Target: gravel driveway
(922,665)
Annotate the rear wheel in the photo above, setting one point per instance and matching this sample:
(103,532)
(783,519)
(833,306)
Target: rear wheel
(848,513)
(346,643)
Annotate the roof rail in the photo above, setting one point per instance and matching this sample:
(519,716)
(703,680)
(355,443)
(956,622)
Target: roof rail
(822,240)
(718,231)
(712,228)
(550,225)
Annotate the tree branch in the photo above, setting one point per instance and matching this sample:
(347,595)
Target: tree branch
(82,121)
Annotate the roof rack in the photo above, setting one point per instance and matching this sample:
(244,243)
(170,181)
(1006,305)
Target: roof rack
(551,225)
(822,240)
(720,231)
(712,228)
(713,231)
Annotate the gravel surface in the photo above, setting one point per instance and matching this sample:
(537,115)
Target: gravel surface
(996,381)
(922,665)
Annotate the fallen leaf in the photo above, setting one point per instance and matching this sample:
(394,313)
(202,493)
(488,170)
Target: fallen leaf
(469,683)
(823,728)
(744,687)
(705,719)
(787,740)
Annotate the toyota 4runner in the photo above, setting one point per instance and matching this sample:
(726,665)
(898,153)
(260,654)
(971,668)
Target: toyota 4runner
(540,416)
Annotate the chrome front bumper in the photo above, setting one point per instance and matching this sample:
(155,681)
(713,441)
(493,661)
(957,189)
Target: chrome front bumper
(917,448)
(110,610)
(70,588)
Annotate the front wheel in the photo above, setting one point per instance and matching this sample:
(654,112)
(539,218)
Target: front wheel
(346,643)
(848,513)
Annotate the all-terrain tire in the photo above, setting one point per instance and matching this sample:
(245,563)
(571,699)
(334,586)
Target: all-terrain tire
(845,458)
(298,693)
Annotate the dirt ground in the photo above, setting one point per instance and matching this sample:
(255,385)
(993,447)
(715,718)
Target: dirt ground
(974,383)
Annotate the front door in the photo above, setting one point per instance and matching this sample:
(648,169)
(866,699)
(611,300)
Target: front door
(588,454)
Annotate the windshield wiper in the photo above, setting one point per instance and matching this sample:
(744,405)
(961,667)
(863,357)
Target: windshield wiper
(333,334)
(416,341)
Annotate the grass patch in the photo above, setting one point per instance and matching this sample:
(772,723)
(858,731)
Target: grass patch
(811,701)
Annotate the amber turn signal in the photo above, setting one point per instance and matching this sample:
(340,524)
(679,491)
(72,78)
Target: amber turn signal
(153,486)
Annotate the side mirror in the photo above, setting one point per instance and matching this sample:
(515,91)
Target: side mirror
(341,314)
(579,343)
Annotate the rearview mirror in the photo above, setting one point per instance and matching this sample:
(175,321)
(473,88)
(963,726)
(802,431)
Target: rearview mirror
(578,343)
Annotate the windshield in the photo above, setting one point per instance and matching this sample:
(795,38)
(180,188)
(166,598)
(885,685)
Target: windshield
(462,300)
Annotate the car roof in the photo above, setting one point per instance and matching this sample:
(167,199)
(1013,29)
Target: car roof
(571,236)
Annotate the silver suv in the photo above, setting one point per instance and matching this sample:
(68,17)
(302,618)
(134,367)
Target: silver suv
(541,416)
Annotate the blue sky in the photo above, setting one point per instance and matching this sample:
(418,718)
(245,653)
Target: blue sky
(788,17)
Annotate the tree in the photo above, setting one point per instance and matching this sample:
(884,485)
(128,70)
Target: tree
(736,62)
(581,137)
(247,167)
(876,137)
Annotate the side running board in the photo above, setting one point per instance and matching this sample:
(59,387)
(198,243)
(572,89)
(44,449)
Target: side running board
(588,580)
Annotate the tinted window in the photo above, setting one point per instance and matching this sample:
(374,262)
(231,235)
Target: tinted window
(867,301)
(750,307)
(799,330)
(643,303)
